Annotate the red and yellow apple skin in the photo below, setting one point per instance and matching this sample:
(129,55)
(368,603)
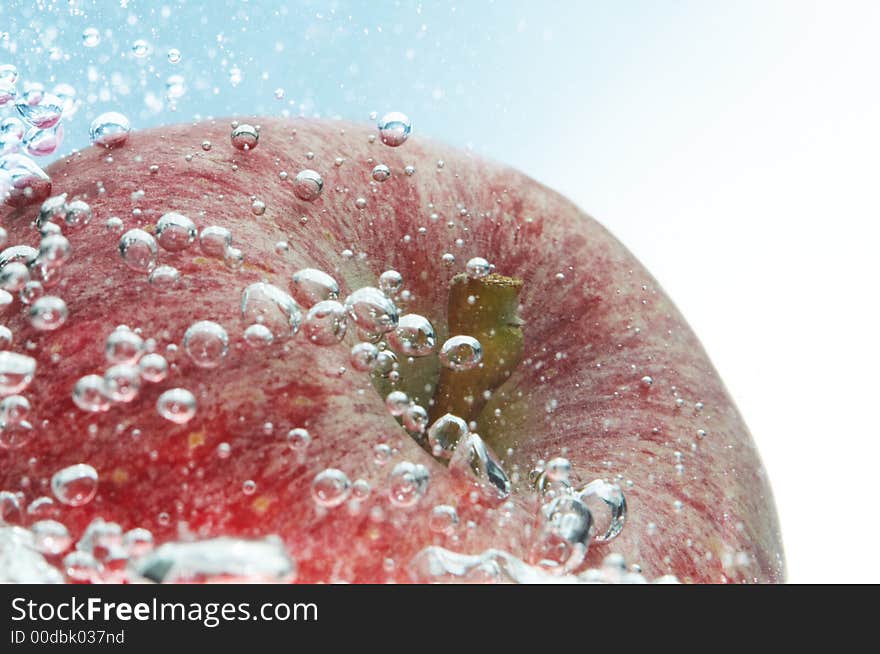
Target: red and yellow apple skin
(595,325)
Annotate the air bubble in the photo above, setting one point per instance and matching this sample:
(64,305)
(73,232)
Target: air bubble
(258,336)
(363,356)
(381,173)
(331,488)
(473,459)
(298,439)
(123,346)
(390,282)
(122,382)
(16,372)
(153,367)
(385,363)
(43,114)
(307,185)
(175,87)
(443,519)
(445,433)
(206,343)
(215,241)
(268,305)
(110,130)
(608,505)
(414,336)
(245,137)
(91,37)
(177,405)
(394,129)
(18,253)
(477,268)
(396,402)
(164,277)
(370,310)
(21,179)
(408,483)
(48,313)
(310,286)
(13,410)
(75,485)
(54,251)
(138,250)
(563,534)
(90,394)
(415,419)
(140,48)
(233,258)
(31,292)
(43,142)
(50,537)
(78,214)
(325,323)
(461,353)
(13,276)
(137,542)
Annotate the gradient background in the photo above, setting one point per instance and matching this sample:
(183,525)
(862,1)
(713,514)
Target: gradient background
(733,146)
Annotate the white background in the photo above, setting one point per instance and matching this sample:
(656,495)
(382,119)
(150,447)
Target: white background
(758,211)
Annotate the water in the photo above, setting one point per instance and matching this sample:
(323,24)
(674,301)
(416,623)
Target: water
(149,70)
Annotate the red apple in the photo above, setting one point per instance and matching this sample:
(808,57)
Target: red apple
(585,358)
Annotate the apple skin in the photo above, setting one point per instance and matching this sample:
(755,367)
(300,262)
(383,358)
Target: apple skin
(590,338)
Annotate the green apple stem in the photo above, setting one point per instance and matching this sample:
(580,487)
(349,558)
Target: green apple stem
(485,308)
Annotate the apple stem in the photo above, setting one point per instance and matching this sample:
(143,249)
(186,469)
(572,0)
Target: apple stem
(485,308)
